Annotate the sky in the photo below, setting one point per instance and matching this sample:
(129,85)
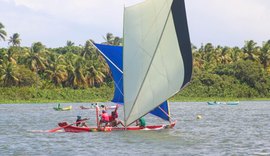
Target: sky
(53,22)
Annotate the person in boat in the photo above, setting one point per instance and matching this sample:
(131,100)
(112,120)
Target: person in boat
(82,107)
(141,122)
(81,122)
(114,121)
(94,105)
(103,107)
(105,119)
(58,106)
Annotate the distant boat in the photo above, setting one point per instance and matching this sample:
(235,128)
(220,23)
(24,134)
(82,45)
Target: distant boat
(214,103)
(232,103)
(82,107)
(58,108)
(93,106)
(223,103)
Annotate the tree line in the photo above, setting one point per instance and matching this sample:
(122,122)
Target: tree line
(231,71)
(218,71)
(69,66)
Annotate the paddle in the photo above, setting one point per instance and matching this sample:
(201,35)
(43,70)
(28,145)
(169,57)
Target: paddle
(58,128)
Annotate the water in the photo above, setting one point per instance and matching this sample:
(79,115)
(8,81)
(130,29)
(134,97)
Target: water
(223,130)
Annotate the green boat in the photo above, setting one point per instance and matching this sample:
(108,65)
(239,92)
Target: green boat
(232,103)
(58,108)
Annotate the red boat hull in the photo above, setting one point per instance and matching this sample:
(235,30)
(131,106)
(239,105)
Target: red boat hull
(74,129)
(151,127)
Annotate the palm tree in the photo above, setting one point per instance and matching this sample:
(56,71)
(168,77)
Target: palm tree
(96,67)
(10,55)
(216,55)
(70,81)
(35,58)
(2,55)
(88,51)
(70,59)
(225,58)
(95,75)
(109,39)
(37,47)
(7,71)
(250,49)
(3,33)
(15,40)
(75,73)
(117,41)
(207,52)
(56,70)
(236,54)
(265,54)
(70,43)
(79,72)
(208,48)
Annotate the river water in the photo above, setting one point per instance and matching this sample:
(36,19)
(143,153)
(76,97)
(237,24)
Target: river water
(238,130)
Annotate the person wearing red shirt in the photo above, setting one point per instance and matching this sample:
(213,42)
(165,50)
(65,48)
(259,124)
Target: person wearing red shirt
(114,122)
(104,118)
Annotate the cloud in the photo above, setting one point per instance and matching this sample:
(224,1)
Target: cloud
(80,11)
(228,22)
(44,20)
(223,22)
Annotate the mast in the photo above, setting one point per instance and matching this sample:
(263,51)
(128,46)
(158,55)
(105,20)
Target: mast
(125,122)
(97,114)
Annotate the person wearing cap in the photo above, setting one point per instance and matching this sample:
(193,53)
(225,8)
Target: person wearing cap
(81,122)
(104,118)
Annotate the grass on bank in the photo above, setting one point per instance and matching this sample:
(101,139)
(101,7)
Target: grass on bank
(103,94)
(33,95)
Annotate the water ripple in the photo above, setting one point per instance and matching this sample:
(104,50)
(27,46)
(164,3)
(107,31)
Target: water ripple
(222,130)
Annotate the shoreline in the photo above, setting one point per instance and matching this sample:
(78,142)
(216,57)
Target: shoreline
(186,99)
(33,95)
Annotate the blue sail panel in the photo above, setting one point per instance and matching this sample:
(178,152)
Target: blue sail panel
(164,113)
(114,55)
(114,58)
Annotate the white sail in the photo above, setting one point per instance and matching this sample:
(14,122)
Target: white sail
(152,61)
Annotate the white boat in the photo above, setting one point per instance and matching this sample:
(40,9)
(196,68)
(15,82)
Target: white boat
(223,103)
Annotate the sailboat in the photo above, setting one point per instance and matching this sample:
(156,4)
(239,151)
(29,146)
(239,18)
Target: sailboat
(154,64)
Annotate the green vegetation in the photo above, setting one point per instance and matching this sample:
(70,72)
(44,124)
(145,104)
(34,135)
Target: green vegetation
(79,73)
(33,95)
